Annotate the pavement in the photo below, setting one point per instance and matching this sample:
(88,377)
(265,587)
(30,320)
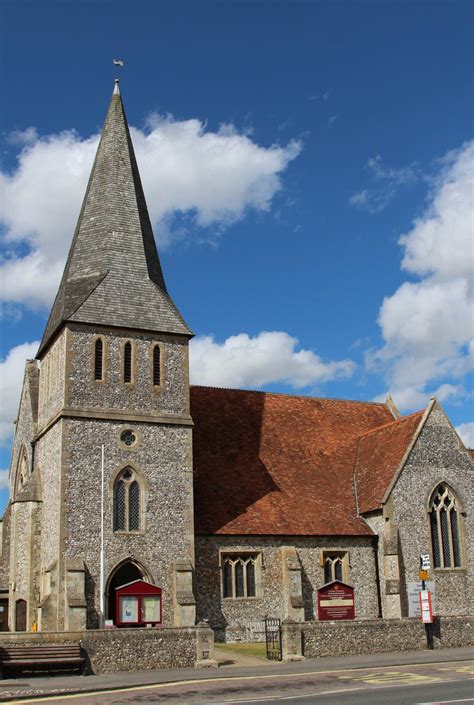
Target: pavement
(232,665)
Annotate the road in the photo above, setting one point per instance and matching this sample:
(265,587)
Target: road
(427,684)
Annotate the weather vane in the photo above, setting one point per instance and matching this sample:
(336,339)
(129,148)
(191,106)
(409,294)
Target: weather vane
(118,63)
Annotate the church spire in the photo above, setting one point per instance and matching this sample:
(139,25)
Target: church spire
(113,274)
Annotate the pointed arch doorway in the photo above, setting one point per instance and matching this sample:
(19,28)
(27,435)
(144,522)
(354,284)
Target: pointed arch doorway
(124,573)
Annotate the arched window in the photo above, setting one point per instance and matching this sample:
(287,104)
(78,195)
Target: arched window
(336,566)
(156,366)
(445,525)
(127,362)
(99,360)
(239,578)
(127,501)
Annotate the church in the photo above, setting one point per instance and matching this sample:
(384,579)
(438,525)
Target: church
(229,505)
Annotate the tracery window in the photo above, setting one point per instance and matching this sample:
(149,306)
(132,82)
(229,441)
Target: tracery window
(445,523)
(127,501)
(156,366)
(99,360)
(239,575)
(127,362)
(335,564)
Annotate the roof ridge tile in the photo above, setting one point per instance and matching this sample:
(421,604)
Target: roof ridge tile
(391,423)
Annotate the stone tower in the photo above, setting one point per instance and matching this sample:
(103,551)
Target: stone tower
(113,367)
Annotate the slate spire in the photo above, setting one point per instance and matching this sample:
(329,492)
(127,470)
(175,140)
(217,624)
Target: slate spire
(113,274)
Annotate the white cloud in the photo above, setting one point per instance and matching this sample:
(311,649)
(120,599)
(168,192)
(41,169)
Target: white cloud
(22,137)
(212,177)
(428,325)
(4,483)
(361,198)
(385,182)
(269,357)
(466,431)
(12,369)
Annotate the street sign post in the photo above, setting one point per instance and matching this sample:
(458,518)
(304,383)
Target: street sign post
(426,607)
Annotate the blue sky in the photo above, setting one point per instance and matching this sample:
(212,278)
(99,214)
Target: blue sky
(308,168)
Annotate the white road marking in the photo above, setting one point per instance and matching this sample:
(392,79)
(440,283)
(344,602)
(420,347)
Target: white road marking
(446,702)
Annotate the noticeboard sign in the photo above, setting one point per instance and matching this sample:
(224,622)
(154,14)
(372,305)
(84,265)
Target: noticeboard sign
(138,604)
(336,601)
(413,594)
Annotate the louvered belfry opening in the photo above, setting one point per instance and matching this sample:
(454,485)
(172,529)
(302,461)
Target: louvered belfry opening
(99,360)
(127,362)
(156,366)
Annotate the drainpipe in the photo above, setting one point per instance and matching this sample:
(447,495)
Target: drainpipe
(375,546)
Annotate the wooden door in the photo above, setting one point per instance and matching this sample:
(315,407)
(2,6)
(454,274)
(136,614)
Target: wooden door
(20,616)
(3,615)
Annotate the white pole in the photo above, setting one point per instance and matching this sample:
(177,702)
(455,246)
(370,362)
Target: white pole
(101,581)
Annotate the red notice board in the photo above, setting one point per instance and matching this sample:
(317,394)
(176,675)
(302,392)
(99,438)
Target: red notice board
(336,601)
(138,604)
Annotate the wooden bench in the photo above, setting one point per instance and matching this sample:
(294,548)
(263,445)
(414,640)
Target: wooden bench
(41,657)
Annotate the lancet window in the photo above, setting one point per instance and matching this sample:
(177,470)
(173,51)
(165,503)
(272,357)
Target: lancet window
(127,362)
(127,501)
(445,523)
(99,360)
(156,373)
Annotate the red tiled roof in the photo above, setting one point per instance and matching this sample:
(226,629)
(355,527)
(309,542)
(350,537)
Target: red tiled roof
(274,464)
(379,453)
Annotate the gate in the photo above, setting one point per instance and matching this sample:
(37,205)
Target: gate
(273,638)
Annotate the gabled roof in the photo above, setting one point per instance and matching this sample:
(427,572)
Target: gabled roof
(379,454)
(113,274)
(271,464)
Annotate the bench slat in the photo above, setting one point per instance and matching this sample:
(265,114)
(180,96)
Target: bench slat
(28,662)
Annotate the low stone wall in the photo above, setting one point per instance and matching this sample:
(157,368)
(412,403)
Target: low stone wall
(382,635)
(109,650)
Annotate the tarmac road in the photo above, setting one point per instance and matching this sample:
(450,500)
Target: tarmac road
(448,683)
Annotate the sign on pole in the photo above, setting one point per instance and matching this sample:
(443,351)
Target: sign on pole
(413,597)
(425,607)
(425,561)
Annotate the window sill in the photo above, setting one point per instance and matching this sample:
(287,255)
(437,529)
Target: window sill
(450,570)
(241,599)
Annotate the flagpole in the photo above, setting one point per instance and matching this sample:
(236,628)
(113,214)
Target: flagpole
(101,579)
